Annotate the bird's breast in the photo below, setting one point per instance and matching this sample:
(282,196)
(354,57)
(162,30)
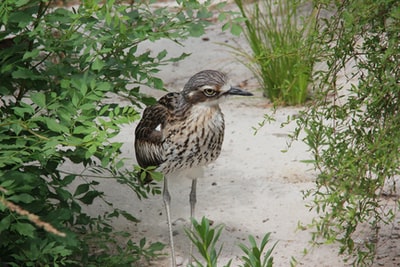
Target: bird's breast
(194,140)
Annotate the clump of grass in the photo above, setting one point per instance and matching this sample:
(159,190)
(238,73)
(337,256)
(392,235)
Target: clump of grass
(283,55)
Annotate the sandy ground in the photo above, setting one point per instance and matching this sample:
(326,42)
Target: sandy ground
(253,188)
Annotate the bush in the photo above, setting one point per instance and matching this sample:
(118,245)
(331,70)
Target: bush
(283,51)
(63,73)
(353,131)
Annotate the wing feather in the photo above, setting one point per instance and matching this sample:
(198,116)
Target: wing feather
(149,132)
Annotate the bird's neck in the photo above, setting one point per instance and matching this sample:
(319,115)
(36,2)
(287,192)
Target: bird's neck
(207,115)
(206,110)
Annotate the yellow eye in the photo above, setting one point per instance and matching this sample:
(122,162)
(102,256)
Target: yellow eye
(209,92)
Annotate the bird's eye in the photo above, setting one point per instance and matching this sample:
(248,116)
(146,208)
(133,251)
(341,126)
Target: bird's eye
(209,92)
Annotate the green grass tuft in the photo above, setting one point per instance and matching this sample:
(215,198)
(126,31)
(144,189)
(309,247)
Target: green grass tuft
(282,56)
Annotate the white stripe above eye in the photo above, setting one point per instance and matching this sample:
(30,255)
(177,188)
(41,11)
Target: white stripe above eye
(225,88)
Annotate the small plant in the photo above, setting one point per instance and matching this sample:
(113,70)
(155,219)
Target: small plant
(205,239)
(254,254)
(282,57)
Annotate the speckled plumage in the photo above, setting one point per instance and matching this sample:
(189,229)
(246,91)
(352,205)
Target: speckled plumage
(184,131)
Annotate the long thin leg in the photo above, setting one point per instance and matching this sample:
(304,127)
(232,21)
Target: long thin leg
(167,202)
(192,200)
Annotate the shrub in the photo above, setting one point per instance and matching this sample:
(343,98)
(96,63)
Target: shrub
(353,127)
(63,73)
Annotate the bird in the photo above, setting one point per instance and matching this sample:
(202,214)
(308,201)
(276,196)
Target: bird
(183,132)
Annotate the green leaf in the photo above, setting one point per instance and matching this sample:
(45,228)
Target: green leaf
(226,26)
(103,86)
(157,246)
(142,242)
(31,54)
(22,18)
(63,194)
(90,151)
(39,99)
(84,130)
(128,216)
(20,3)
(221,16)
(53,249)
(98,64)
(157,176)
(7,184)
(68,179)
(60,215)
(24,108)
(24,198)
(23,74)
(196,30)
(162,54)
(158,83)
(87,106)
(82,188)
(90,196)
(75,99)
(236,29)
(55,126)
(5,222)
(65,83)
(25,229)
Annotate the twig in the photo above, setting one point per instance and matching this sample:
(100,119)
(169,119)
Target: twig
(32,217)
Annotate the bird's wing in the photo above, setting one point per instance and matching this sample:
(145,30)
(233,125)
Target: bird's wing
(149,132)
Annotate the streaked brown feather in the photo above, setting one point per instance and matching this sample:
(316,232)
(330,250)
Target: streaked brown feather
(183,130)
(148,138)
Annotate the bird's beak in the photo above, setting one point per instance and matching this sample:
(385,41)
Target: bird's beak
(238,91)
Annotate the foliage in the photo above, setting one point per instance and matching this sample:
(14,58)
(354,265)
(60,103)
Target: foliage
(205,238)
(353,126)
(64,74)
(283,51)
(254,254)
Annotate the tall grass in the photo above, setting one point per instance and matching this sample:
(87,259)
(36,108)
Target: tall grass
(282,56)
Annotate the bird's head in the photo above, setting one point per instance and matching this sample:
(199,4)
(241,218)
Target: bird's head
(209,87)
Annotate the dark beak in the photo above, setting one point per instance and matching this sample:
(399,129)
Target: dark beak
(238,91)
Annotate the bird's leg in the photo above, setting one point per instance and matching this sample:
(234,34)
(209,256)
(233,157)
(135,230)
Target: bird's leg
(167,202)
(192,200)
